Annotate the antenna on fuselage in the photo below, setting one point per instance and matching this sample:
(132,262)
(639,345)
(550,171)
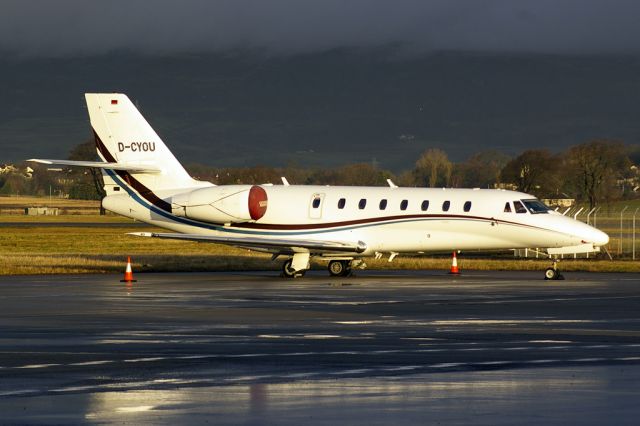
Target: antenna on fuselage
(391,184)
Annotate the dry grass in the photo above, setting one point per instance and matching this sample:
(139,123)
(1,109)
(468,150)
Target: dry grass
(506,264)
(18,264)
(13,264)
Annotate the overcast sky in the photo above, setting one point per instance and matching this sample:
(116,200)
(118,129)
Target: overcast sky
(73,27)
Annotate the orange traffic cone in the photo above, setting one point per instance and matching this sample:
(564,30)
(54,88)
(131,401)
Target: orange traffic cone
(454,265)
(128,273)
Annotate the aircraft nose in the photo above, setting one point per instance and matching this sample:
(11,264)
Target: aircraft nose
(595,236)
(600,238)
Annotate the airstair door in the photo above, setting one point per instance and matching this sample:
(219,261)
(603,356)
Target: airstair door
(315,206)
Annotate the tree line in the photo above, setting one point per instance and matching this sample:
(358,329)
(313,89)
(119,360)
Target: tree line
(593,172)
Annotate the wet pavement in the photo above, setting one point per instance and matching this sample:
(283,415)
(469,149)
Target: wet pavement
(407,346)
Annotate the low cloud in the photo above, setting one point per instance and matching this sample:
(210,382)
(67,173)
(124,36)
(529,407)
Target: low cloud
(81,27)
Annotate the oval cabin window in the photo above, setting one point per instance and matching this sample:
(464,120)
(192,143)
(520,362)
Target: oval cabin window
(362,204)
(467,206)
(446,205)
(341,203)
(316,203)
(425,205)
(404,204)
(383,204)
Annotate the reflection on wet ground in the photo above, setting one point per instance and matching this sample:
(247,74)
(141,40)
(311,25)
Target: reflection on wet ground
(498,348)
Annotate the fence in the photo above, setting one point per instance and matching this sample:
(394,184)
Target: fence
(621,223)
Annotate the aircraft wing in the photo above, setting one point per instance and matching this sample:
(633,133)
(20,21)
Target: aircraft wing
(276,245)
(99,165)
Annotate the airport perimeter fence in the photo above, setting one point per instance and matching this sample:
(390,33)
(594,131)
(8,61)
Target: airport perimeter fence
(621,223)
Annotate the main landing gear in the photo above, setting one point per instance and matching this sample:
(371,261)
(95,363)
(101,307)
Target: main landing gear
(296,266)
(289,272)
(553,273)
(339,268)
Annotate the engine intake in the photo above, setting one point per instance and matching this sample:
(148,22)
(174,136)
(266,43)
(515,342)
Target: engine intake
(222,204)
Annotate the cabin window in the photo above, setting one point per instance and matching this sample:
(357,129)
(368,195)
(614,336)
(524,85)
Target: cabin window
(383,204)
(425,205)
(467,206)
(341,203)
(536,206)
(362,204)
(404,204)
(507,207)
(316,203)
(446,205)
(519,207)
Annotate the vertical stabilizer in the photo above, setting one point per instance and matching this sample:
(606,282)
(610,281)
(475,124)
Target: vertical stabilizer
(122,135)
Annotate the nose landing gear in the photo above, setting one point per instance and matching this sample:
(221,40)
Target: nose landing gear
(553,273)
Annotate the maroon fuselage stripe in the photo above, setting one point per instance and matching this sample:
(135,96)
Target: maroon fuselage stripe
(289,227)
(145,192)
(158,202)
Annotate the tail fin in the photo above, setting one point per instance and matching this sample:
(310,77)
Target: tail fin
(123,136)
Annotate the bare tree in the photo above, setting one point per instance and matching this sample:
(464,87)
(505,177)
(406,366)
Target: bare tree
(433,168)
(533,171)
(481,170)
(594,167)
(87,152)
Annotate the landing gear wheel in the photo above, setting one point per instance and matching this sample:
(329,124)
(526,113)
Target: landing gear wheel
(553,273)
(550,274)
(339,268)
(289,272)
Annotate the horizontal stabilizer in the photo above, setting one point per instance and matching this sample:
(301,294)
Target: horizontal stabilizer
(270,244)
(137,168)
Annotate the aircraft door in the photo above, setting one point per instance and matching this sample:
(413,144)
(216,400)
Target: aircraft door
(315,206)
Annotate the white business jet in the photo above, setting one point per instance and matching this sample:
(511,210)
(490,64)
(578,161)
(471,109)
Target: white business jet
(337,224)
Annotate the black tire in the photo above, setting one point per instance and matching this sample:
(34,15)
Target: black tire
(339,268)
(336,268)
(287,270)
(551,274)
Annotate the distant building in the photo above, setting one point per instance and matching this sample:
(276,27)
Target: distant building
(559,202)
(41,211)
(505,185)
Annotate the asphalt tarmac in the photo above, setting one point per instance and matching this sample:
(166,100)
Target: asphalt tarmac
(401,347)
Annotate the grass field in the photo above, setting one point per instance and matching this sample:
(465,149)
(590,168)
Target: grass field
(29,247)
(32,248)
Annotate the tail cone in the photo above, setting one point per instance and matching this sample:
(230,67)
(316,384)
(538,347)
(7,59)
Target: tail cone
(128,273)
(454,265)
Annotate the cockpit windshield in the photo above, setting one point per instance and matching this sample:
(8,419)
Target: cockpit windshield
(536,206)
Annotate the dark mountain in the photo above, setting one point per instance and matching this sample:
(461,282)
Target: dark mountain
(340,106)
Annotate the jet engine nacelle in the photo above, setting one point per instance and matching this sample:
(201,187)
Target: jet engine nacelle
(222,204)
